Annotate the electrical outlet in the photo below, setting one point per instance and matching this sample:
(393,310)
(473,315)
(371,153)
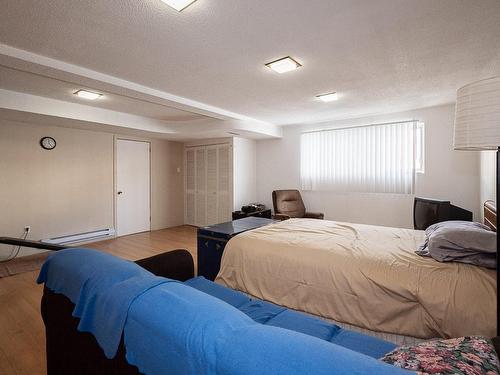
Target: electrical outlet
(27,229)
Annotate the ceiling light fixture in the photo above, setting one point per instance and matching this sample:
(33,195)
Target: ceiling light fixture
(330,97)
(283,65)
(89,95)
(179,5)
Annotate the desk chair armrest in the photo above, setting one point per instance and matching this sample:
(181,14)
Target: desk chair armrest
(314,215)
(281,217)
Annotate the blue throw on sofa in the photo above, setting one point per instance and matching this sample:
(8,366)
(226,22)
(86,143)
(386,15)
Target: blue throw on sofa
(270,314)
(199,327)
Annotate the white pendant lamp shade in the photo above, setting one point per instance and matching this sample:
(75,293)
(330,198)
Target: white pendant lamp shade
(477,116)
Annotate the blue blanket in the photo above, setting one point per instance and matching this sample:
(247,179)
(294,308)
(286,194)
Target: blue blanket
(172,328)
(278,316)
(101,286)
(190,332)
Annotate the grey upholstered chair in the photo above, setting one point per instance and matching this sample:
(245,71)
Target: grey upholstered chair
(288,204)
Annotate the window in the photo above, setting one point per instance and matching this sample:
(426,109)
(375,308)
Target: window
(420,148)
(372,159)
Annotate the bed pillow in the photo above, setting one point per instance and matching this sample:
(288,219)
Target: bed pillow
(460,241)
(464,355)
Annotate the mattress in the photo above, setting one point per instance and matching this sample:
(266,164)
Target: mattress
(363,275)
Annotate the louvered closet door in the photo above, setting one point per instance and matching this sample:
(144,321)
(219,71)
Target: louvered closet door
(190,199)
(212,186)
(201,186)
(224,183)
(208,194)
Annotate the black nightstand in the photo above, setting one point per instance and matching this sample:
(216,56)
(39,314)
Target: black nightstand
(213,239)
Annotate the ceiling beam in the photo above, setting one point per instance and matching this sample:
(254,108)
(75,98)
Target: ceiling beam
(45,66)
(77,114)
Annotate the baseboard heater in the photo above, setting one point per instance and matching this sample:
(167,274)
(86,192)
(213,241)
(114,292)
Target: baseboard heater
(81,237)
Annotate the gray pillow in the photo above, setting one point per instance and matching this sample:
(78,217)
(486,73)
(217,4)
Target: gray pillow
(460,241)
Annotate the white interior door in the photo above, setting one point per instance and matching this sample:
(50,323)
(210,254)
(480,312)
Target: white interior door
(132,187)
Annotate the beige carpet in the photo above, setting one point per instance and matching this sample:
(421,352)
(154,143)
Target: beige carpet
(23,264)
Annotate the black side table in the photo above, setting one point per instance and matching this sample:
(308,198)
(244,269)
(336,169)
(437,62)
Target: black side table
(213,239)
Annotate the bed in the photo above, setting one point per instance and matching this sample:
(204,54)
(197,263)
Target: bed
(363,276)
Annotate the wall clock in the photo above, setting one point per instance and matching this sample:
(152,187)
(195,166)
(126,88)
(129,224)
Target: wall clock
(48,143)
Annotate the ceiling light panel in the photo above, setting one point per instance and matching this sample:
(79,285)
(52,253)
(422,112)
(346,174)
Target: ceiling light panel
(330,97)
(283,65)
(178,5)
(89,95)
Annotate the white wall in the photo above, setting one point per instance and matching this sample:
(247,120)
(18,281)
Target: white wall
(245,172)
(167,184)
(70,189)
(487,189)
(449,174)
(63,191)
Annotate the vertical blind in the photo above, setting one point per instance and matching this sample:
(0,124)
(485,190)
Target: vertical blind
(372,159)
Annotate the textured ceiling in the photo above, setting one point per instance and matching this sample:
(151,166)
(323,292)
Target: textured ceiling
(380,55)
(15,80)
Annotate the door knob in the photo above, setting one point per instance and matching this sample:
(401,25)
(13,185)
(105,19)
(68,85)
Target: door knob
(120,192)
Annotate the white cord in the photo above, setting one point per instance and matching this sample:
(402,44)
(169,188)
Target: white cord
(14,250)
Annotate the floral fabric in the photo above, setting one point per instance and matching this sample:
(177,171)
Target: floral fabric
(465,355)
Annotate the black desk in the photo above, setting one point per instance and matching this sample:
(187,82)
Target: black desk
(213,239)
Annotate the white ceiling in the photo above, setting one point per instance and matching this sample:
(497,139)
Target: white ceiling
(380,55)
(20,81)
(34,84)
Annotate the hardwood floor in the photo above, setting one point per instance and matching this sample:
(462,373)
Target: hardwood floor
(22,337)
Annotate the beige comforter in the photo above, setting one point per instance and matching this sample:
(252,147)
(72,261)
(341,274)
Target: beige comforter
(364,275)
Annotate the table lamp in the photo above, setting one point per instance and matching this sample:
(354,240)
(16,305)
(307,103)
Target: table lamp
(477,127)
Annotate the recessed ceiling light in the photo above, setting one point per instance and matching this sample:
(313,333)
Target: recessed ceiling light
(283,65)
(178,5)
(89,95)
(330,97)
